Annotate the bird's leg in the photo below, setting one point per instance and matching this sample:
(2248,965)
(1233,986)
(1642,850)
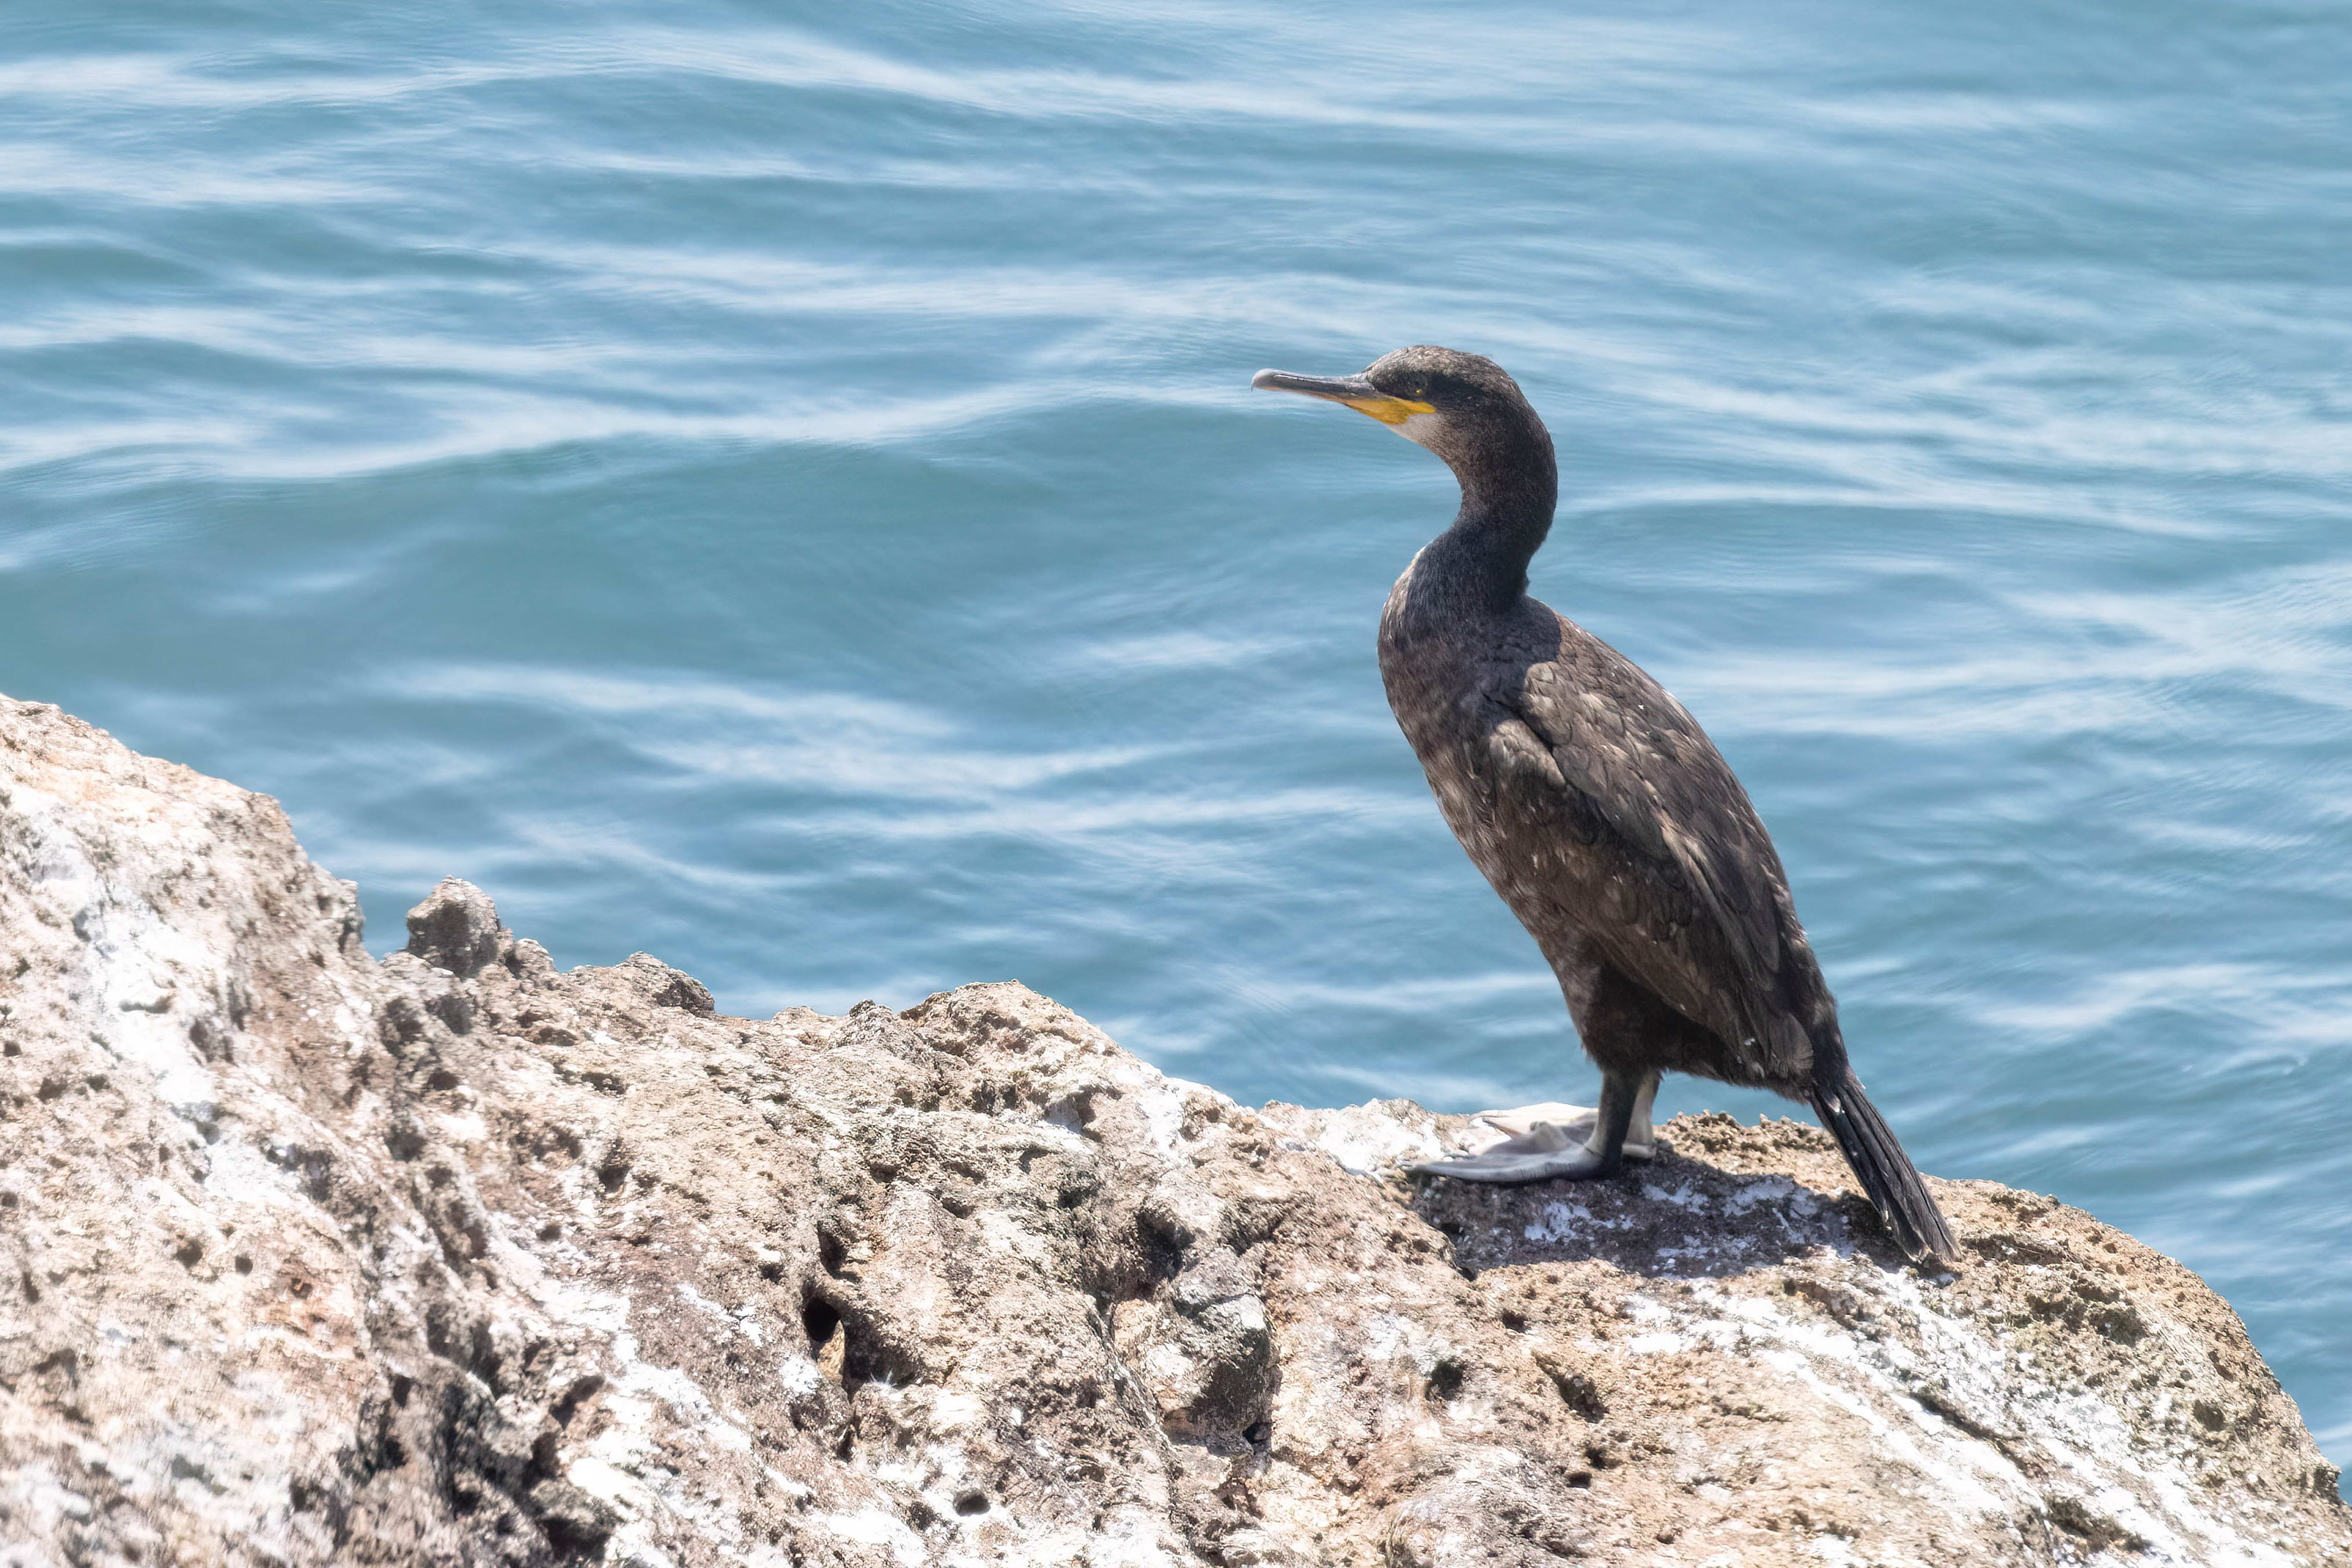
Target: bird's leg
(1607,1145)
(1593,1144)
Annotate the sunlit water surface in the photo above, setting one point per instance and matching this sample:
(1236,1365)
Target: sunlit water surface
(776,487)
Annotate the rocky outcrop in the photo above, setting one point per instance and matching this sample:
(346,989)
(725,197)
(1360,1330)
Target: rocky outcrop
(455,1260)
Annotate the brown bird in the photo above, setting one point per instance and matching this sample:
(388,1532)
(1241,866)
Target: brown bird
(1602,813)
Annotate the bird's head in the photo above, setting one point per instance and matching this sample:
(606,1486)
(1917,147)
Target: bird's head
(1462,406)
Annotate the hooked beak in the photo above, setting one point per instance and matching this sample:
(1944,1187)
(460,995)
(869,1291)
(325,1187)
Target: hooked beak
(1352,390)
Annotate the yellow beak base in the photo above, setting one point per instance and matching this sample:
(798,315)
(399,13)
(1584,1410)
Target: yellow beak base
(1387,410)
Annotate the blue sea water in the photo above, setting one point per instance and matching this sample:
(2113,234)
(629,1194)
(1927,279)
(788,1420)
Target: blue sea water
(776,485)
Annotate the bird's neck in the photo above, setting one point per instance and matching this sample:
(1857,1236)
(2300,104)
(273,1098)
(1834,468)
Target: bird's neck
(1509,488)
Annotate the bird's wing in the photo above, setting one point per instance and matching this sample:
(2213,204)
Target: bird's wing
(1699,916)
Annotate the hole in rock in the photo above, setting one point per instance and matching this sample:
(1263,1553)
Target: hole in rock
(1578,1392)
(820,1322)
(579,1394)
(1162,1249)
(970,1503)
(866,1359)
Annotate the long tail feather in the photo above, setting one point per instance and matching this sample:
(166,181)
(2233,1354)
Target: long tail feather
(1885,1171)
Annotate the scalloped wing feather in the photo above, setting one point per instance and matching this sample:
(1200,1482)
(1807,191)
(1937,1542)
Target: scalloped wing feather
(1697,862)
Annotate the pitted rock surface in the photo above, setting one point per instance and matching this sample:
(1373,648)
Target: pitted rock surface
(451,1259)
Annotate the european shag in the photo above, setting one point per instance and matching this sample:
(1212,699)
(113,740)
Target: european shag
(1602,813)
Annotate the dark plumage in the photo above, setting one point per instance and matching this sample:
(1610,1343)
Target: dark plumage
(1598,809)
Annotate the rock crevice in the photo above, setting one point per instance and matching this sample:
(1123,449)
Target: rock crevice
(452,1258)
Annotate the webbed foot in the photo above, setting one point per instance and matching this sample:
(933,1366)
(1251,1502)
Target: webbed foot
(1576,1120)
(1547,1152)
(1555,1142)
